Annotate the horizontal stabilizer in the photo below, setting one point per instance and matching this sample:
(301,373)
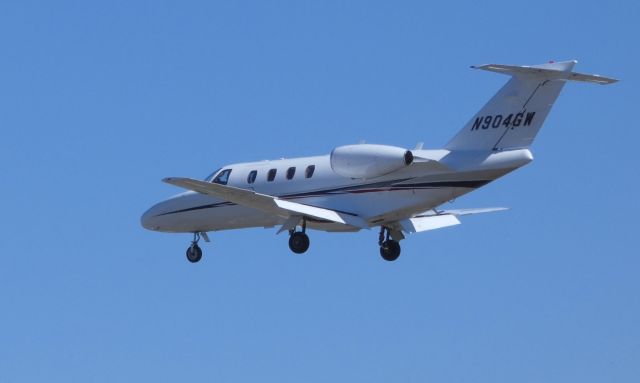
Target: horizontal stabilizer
(266,203)
(459,212)
(541,71)
(432,220)
(419,224)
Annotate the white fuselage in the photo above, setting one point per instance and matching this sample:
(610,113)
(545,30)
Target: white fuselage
(370,185)
(396,196)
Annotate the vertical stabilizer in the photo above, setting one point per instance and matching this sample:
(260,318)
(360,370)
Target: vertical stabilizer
(513,117)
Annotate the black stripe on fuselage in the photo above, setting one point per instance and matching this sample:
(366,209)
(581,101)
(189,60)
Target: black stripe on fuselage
(445,184)
(344,189)
(209,206)
(369,188)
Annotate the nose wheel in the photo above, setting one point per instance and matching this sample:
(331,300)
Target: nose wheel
(389,248)
(194,252)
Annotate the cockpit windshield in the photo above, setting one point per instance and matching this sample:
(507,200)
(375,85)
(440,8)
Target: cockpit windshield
(210,177)
(223,177)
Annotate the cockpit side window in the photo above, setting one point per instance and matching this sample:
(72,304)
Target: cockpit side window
(223,177)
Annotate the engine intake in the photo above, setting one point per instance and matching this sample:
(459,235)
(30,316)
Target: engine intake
(368,160)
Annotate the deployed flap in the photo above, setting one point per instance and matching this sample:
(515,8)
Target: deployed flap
(264,202)
(318,212)
(418,224)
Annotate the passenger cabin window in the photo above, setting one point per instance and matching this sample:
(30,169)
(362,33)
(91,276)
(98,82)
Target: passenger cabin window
(271,175)
(309,172)
(251,178)
(223,177)
(291,172)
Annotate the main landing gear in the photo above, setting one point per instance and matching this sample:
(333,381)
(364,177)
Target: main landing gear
(194,252)
(389,248)
(299,240)
(299,243)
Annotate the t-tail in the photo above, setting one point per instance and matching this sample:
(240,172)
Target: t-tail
(513,117)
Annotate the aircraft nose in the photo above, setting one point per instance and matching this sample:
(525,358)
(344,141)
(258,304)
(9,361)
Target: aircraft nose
(149,219)
(163,215)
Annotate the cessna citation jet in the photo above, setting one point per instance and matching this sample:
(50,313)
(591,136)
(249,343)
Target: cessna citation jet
(368,186)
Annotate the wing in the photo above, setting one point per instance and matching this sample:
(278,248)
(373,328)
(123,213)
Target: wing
(268,204)
(432,219)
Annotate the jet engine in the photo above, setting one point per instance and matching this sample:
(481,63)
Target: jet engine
(369,161)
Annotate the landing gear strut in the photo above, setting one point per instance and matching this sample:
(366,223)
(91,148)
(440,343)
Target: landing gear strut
(194,253)
(299,240)
(389,248)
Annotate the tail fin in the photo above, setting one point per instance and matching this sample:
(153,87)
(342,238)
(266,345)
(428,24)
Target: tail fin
(513,117)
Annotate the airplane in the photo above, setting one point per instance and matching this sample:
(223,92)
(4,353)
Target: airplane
(367,186)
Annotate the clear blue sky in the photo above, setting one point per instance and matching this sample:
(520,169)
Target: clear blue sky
(100,100)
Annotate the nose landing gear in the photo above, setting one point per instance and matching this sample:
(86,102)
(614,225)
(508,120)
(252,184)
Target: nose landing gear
(194,252)
(389,248)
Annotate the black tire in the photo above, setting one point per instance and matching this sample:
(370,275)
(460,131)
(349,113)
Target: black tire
(390,250)
(194,253)
(299,242)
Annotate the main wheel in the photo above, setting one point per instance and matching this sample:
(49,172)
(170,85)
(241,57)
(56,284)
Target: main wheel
(194,253)
(299,242)
(390,250)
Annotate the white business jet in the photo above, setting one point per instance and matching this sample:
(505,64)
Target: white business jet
(367,186)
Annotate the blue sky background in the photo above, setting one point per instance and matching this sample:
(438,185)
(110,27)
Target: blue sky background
(100,100)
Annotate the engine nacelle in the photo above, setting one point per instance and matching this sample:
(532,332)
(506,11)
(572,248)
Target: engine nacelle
(369,161)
